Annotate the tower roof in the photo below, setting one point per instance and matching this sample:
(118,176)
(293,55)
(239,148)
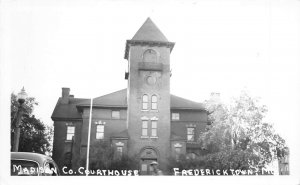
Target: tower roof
(149,32)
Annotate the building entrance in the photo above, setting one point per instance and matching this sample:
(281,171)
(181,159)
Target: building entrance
(147,156)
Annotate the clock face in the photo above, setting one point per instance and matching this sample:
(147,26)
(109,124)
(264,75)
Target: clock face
(151,80)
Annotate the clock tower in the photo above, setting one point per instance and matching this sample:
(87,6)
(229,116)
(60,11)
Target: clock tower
(148,95)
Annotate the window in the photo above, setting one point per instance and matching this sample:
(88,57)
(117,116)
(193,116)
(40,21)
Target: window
(191,134)
(177,150)
(154,102)
(100,132)
(115,114)
(150,56)
(144,167)
(145,102)
(144,128)
(154,128)
(120,150)
(175,116)
(70,132)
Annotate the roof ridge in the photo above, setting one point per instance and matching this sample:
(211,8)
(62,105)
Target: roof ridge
(110,93)
(184,98)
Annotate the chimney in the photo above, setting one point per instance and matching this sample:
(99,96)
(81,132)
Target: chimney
(65,95)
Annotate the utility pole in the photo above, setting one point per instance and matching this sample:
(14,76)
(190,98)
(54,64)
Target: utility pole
(21,99)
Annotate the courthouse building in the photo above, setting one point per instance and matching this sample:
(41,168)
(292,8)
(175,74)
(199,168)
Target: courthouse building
(143,120)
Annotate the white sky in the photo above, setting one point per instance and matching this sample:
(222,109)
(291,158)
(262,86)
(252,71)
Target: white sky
(221,46)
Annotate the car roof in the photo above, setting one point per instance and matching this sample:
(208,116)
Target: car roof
(30,156)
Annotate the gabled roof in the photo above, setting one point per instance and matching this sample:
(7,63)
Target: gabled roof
(149,32)
(67,110)
(116,99)
(119,99)
(182,103)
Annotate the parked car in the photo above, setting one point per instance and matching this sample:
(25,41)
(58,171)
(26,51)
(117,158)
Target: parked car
(32,164)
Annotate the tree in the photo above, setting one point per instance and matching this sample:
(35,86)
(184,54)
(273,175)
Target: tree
(106,158)
(241,127)
(223,160)
(34,135)
(104,155)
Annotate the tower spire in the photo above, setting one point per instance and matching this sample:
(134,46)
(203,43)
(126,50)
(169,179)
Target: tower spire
(149,32)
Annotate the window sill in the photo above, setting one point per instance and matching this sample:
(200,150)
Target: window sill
(155,110)
(147,137)
(192,142)
(144,110)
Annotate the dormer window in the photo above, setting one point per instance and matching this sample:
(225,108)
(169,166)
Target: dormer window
(150,56)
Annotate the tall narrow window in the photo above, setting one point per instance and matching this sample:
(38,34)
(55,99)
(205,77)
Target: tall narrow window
(70,132)
(120,150)
(177,150)
(145,102)
(154,102)
(153,128)
(100,132)
(191,134)
(145,128)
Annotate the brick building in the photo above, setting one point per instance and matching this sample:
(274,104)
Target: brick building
(144,119)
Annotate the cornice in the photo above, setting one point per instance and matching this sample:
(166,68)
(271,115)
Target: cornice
(146,43)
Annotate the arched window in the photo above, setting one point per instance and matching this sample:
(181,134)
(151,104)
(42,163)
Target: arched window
(154,102)
(145,102)
(150,56)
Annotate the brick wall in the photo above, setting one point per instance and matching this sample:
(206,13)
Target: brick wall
(136,88)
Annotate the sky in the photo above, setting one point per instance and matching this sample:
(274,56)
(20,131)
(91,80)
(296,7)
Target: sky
(221,46)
